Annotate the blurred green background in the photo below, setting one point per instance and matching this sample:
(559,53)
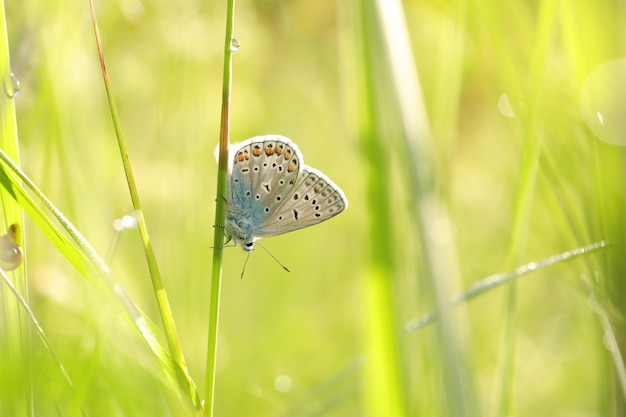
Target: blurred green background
(519,184)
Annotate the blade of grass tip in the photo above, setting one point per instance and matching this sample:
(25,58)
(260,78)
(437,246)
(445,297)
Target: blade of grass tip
(79,252)
(230,45)
(479,288)
(496,280)
(15,334)
(186,383)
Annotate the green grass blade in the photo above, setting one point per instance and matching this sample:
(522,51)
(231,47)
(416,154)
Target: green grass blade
(401,91)
(220,211)
(42,335)
(15,346)
(167,317)
(525,194)
(384,391)
(316,400)
(77,251)
(489,283)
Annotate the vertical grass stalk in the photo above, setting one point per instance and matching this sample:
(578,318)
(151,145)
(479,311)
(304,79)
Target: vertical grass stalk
(406,112)
(220,211)
(15,331)
(384,391)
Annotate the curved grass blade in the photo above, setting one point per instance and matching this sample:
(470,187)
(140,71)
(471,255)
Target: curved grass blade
(316,400)
(42,335)
(76,250)
(496,280)
(167,317)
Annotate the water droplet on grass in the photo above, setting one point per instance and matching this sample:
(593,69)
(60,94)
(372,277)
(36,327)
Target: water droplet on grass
(11,86)
(234,44)
(602,101)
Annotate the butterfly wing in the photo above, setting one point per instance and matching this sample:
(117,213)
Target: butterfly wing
(313,199)
(264,171)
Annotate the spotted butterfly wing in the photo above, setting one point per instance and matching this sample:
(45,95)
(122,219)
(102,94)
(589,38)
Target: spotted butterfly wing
(264,170)
(313,199)
(272,192)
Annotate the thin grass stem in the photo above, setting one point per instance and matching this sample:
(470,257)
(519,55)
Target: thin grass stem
(15,332)
(230,45)
(167,317)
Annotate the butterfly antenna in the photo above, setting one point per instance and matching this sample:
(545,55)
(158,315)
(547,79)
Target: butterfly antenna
(243,270)
(273,257)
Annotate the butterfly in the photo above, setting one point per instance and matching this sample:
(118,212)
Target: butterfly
(271,191)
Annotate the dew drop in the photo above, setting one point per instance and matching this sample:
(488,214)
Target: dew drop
(234,44)
(283,383)
(601,101)
(11,254)
(128,221)
(505,107)
(11,86)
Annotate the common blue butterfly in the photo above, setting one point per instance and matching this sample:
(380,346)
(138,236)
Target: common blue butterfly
(271,191)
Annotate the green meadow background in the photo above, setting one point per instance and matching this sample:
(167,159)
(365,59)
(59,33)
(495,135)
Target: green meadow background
(466,137)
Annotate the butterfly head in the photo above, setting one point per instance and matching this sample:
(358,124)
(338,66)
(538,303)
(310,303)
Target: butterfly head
(240,238)
(247,246)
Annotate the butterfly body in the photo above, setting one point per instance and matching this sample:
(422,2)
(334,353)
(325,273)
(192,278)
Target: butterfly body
(271,191)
